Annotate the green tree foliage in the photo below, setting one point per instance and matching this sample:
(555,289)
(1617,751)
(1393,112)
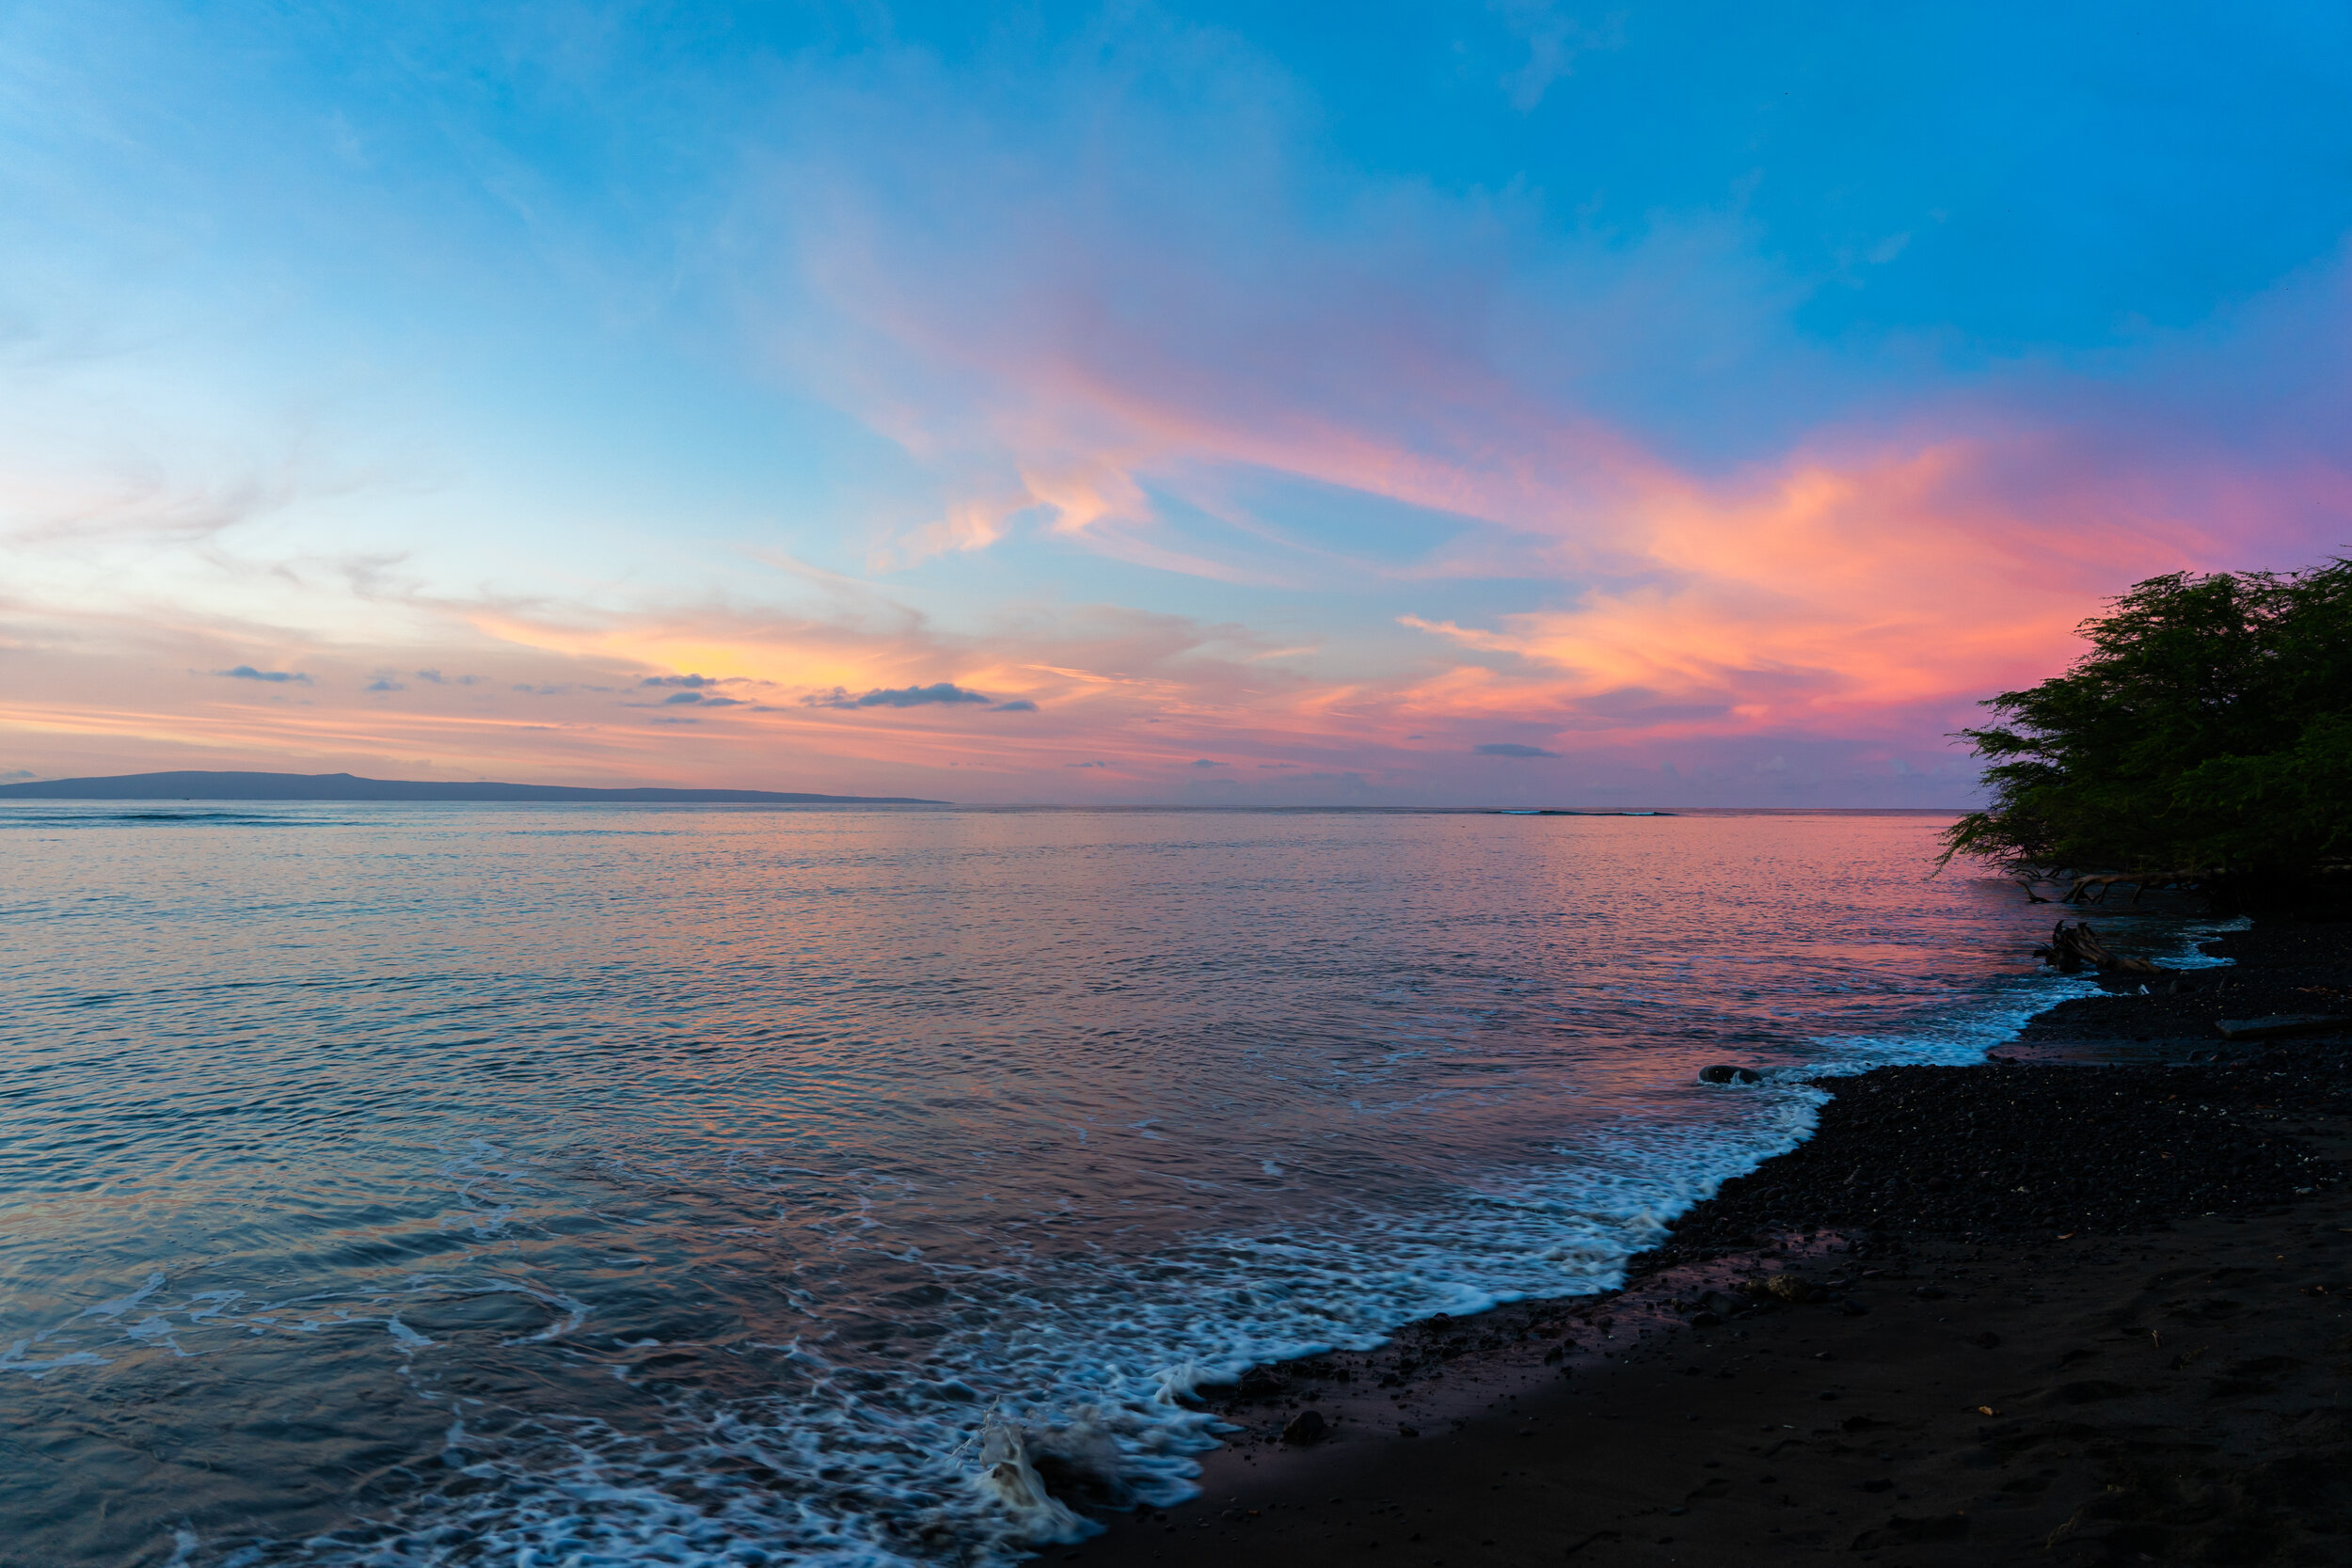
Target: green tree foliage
(2209,728)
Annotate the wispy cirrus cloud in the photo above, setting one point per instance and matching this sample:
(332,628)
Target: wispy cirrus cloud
(1117,378)
(1130,374)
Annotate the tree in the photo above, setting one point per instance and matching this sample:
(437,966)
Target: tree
(2208,731)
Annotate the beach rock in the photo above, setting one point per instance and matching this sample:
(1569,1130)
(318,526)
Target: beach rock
(1308,1426)
(1722,1073)
(1781,1287)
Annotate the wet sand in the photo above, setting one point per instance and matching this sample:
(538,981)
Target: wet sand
(2089,1305)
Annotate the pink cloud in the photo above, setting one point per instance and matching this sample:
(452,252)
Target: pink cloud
(1934,539)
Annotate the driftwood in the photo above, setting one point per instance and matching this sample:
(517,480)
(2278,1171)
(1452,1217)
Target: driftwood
(2081,892)
(2140,880)
(2074,947)
(2094,888)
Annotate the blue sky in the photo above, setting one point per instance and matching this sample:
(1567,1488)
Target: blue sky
(1721,399)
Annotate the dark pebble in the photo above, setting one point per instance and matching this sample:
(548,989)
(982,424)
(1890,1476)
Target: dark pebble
(1947,1150)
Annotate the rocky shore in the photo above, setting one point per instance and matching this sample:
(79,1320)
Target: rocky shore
(2089,1301)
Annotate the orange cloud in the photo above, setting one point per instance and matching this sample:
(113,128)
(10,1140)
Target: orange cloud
(1826,591)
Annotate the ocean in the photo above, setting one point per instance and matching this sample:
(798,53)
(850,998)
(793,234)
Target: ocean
(528,1185)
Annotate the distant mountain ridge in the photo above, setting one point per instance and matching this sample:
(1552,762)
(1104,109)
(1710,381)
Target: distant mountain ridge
(347,787)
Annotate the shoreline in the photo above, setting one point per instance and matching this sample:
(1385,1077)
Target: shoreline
(2088,1299)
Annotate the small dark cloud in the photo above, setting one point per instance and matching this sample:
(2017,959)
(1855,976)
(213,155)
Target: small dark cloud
(1085,765)
(440,679)
(1265,765)
(1019,704)
(384,683)
(1510,748)
(689,682)
(903,696)
(699,699)
(247,673)
(1205,762)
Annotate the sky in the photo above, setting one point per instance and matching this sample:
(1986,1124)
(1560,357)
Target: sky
(1390,404)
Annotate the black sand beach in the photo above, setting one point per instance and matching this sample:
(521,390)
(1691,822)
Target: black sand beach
(2089,1304)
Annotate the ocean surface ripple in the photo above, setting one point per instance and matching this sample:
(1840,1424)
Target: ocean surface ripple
(452,1184)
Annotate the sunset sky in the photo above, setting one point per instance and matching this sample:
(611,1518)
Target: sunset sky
(1373,404)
